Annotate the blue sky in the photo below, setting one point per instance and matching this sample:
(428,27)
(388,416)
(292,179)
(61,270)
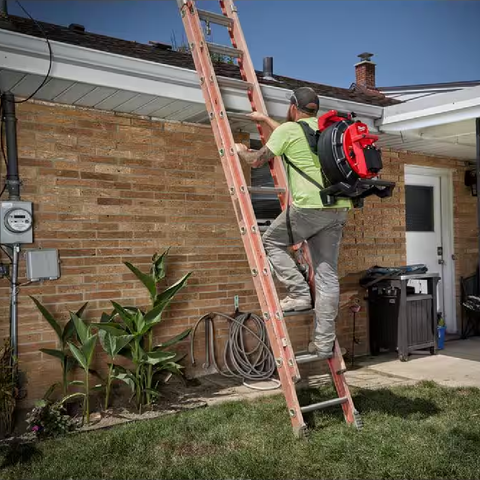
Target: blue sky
(413,41)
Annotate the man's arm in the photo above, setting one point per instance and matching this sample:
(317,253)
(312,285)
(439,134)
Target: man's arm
(254,158)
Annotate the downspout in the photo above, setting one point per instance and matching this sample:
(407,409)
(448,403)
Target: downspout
(13,187)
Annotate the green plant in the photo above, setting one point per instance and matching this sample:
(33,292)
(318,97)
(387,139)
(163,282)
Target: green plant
(83,353)
(8,387)
(112,341)
(64,335)
(49,419)
(148,360)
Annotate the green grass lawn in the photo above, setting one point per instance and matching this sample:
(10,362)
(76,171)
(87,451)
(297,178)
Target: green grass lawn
(421,432)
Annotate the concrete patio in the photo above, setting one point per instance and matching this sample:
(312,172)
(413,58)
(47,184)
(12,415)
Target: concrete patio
(457,365)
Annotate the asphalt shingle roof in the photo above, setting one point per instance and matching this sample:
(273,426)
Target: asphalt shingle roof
(163,54)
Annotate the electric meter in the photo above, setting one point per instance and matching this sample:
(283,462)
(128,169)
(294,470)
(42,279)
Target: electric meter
(18,220)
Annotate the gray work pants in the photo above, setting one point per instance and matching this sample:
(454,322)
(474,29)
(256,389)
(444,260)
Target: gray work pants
(322,228)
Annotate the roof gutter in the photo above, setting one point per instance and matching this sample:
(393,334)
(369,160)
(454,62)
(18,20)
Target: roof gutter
(27,54)
(432,111)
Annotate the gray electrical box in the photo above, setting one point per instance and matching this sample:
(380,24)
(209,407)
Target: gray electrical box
(42,264)
(16,222)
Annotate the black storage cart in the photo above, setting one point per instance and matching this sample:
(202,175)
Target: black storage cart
(399,318)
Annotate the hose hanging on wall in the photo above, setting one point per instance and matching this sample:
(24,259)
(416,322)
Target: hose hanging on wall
(256,364)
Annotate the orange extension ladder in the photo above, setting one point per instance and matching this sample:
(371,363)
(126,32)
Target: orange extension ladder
(211,84)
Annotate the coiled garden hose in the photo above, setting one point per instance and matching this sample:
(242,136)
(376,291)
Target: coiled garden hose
(257,364)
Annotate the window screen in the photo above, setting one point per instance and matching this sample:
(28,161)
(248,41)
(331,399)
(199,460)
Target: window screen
(419,208)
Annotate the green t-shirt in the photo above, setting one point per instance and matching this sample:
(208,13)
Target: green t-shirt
(288,139)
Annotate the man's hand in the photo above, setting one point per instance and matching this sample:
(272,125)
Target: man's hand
(258,117)
(241,147)
(262,118)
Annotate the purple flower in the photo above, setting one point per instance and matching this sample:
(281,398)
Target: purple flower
(35,428)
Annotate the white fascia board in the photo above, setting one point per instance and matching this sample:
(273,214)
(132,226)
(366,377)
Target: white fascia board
(431,111)
(27,54)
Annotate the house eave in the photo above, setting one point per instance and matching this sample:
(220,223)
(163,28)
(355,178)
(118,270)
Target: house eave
(29,55)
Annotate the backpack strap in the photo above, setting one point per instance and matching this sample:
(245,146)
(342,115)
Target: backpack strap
(302,173)
(311,135)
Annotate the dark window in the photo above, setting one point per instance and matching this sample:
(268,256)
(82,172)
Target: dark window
(266,207)
(419,208)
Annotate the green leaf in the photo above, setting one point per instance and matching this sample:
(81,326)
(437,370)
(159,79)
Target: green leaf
(76,382)
(68,331)
(80,357)
(80,311)
(122,342)
(174,340)
(108,342)
(107,318)
(154,358)
(158,269)
(49,318)
(97,387)
(88,348)
(125,315)
(140,324)
(166,296)
(50,390)
(81,327)
(147,280)
(154,315)
(113,328)
(124,375)
(69,397)
(154,393)
(71,362)
(172,367)
(54,353)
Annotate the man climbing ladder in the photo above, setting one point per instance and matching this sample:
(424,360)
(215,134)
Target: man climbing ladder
(286,362)
(306,220)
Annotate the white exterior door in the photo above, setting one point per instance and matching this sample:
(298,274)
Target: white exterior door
(427,222)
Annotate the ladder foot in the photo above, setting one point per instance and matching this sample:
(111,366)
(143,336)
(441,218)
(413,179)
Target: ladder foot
(301,431)
(357,420)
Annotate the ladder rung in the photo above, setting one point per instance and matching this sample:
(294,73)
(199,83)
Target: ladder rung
(265,190)
(294,313)
(325,404)
(224,50)
(213,17)
(234,83)
(306,358)
(239,116)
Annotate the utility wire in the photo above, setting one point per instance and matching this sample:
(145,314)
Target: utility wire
(47,76)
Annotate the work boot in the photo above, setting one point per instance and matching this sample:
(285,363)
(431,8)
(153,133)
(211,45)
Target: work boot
(322,355)
(289,304)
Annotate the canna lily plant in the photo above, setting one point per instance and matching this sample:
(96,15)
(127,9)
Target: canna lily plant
(132,323)
(83,353)
(64,335)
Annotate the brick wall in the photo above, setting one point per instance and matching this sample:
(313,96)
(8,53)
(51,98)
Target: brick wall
(111,188)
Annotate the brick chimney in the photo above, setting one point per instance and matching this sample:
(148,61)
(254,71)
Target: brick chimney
(365,71)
